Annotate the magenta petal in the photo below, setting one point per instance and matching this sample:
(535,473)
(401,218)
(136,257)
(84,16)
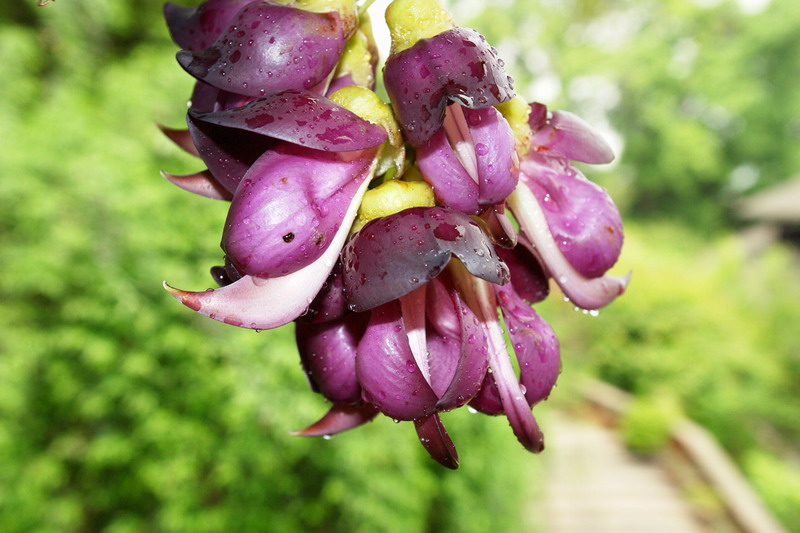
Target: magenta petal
(182,138)
(202,183)
(495,151)
(455,66)
(472,362)
(341,417)
(434,437)
(268,48)
(488,400)
(568,135)
(386,369)
(300,117)
(393,255)
(527,276)
(535,345)
(328,354)
(258,303)
(283,216)
(583,219)
(442,169)
(330,303)
(195,28)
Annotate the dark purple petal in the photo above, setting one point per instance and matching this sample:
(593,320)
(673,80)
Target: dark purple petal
(499,226)
(283,216)
(455,66)
(434,437)
(581,215)
(182,138)
(302,118)
(227,152)
(488,399)
(202,183)
(527,276)
(393,255)
(328,355)
(386,369)
(341,417)
(250,302)
(339,83)
(330,303)
(495,151)
(588,293)
(443,171)
(269,48)
(195,28)
(571,137)
(535,345)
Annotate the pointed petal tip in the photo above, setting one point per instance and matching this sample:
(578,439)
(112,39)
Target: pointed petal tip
(436,440)
(338,419)
(201,183)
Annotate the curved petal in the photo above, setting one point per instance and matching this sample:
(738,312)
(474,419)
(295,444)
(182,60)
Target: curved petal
(393,255)
(328,355)
(267,48)
(258,303)
(227,152)
(386,369)
(588,293)
(455,66)
(495,151)
(283,216)
(182,138)
(488,400)
(341,417)
(330,303)
(570,136)
(300,117)
(580,214)
(202,183)
(499,226)
(443,171)
(434,437)
(535,345)
(195,28)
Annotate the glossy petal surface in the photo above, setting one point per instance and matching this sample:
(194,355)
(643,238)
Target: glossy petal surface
(436,440)
(393,255)
(302,118)
(267,48)
(527,277)
(196,28)
(283,217)
(569,136)
(455,66)
(341,417)
(202,183)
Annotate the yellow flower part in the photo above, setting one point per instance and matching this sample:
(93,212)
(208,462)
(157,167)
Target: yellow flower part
(516,111)
(392,197)
(412,20)
(356,60)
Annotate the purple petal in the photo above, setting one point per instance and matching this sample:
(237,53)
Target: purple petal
(488,399)
(499,226)
(535,345)
(393,255)
(195,28)
(434,437)
(527,277)
(283,216)
(206,98)
(227,152)
(495,149)
(580,214)
(386,369)
(588,293)
(258,303)
(455,66)
(339,83)
(302,118)
(202,183)
(569,136)
(328,354)
(182,138)
(442,169)
(341,417)
(465,380)
(269,48)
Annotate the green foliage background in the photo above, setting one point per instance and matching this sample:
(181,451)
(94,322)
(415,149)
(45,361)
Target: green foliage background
(121,411)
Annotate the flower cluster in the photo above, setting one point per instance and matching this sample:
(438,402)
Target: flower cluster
(407,240)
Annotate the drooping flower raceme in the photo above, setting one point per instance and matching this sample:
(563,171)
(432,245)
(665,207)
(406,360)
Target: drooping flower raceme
(406,240)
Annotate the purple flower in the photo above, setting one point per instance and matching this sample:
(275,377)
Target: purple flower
(404,276)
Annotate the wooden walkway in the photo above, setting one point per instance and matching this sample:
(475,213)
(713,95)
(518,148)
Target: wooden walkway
(592,484)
